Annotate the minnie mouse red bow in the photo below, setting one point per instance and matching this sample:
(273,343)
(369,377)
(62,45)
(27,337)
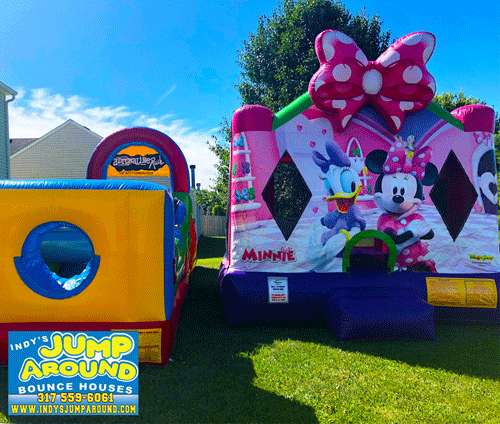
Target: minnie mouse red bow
(396,83)
(402,159)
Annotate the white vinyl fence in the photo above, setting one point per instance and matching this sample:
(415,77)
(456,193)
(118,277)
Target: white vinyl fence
(213,225)
(197,214)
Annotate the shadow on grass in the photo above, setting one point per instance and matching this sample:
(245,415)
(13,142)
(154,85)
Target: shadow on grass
(461,348)
(208,380)
(211,247)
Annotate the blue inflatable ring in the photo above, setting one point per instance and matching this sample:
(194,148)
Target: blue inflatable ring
(35,273)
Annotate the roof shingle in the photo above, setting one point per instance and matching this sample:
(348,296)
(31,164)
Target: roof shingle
(17,144)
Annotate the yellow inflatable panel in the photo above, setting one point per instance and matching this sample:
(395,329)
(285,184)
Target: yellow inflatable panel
(126,228)
(462,292)
(150,344)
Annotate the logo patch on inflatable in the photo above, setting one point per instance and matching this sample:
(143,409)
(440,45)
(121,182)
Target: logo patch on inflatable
(282,255)
(138,160)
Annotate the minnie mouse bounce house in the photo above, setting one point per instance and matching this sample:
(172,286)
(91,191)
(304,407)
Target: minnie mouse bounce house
(363,203)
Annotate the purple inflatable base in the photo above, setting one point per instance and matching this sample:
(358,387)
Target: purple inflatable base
(356,305)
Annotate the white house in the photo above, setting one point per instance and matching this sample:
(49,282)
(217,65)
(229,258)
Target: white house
(63,152)
(7,94)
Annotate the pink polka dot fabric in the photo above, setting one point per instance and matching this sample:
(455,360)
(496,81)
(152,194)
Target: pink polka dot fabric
(396,83)
(410,255)
(399,159)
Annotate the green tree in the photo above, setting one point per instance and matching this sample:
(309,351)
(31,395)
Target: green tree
(214,200)
(451,101)
(278,60)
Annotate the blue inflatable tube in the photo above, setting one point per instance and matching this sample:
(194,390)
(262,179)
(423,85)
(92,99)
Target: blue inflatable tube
(66,245)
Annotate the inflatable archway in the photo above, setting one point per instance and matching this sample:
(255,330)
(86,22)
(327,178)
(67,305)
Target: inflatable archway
(362,175)
(147,154)
(141,153)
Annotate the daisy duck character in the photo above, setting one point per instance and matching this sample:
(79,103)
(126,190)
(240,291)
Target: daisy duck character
(399,192)
(342,185)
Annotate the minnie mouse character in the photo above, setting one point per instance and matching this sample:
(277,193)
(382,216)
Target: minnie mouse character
(399,191)
(342,185)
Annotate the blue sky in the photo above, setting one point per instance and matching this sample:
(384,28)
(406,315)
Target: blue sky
(173,65)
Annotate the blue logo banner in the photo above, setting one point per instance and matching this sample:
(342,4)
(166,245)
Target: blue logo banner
(73,373)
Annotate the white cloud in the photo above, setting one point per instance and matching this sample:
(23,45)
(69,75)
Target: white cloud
(37,111)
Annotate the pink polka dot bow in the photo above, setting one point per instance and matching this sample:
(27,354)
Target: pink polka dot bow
(402,159)
(396,83)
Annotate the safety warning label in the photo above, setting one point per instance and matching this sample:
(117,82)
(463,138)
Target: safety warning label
(278,289)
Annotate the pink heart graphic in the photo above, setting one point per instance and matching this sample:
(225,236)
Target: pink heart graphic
(299,127)
(312,143)
(323,131)
(315,209)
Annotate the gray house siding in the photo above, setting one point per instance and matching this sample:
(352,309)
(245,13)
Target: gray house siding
(62,153)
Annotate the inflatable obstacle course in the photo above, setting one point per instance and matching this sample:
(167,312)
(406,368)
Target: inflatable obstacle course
(363,203)
(112,252)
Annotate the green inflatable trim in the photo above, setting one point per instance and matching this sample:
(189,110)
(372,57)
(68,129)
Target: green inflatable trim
(182,246)
(372,234)
(438,110)
(300,104)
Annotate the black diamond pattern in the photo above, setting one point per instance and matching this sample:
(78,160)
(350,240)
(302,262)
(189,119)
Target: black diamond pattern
(453,195)
(286,195)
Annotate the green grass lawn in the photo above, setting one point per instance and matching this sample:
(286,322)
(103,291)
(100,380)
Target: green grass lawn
(280,374)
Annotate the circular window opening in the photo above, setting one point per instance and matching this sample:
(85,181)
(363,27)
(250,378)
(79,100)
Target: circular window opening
(57,260)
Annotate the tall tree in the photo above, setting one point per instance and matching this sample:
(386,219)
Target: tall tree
(278,60)
(214,200)
(451,101)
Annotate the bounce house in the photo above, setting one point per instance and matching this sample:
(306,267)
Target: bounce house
(363,203)
(113,252)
